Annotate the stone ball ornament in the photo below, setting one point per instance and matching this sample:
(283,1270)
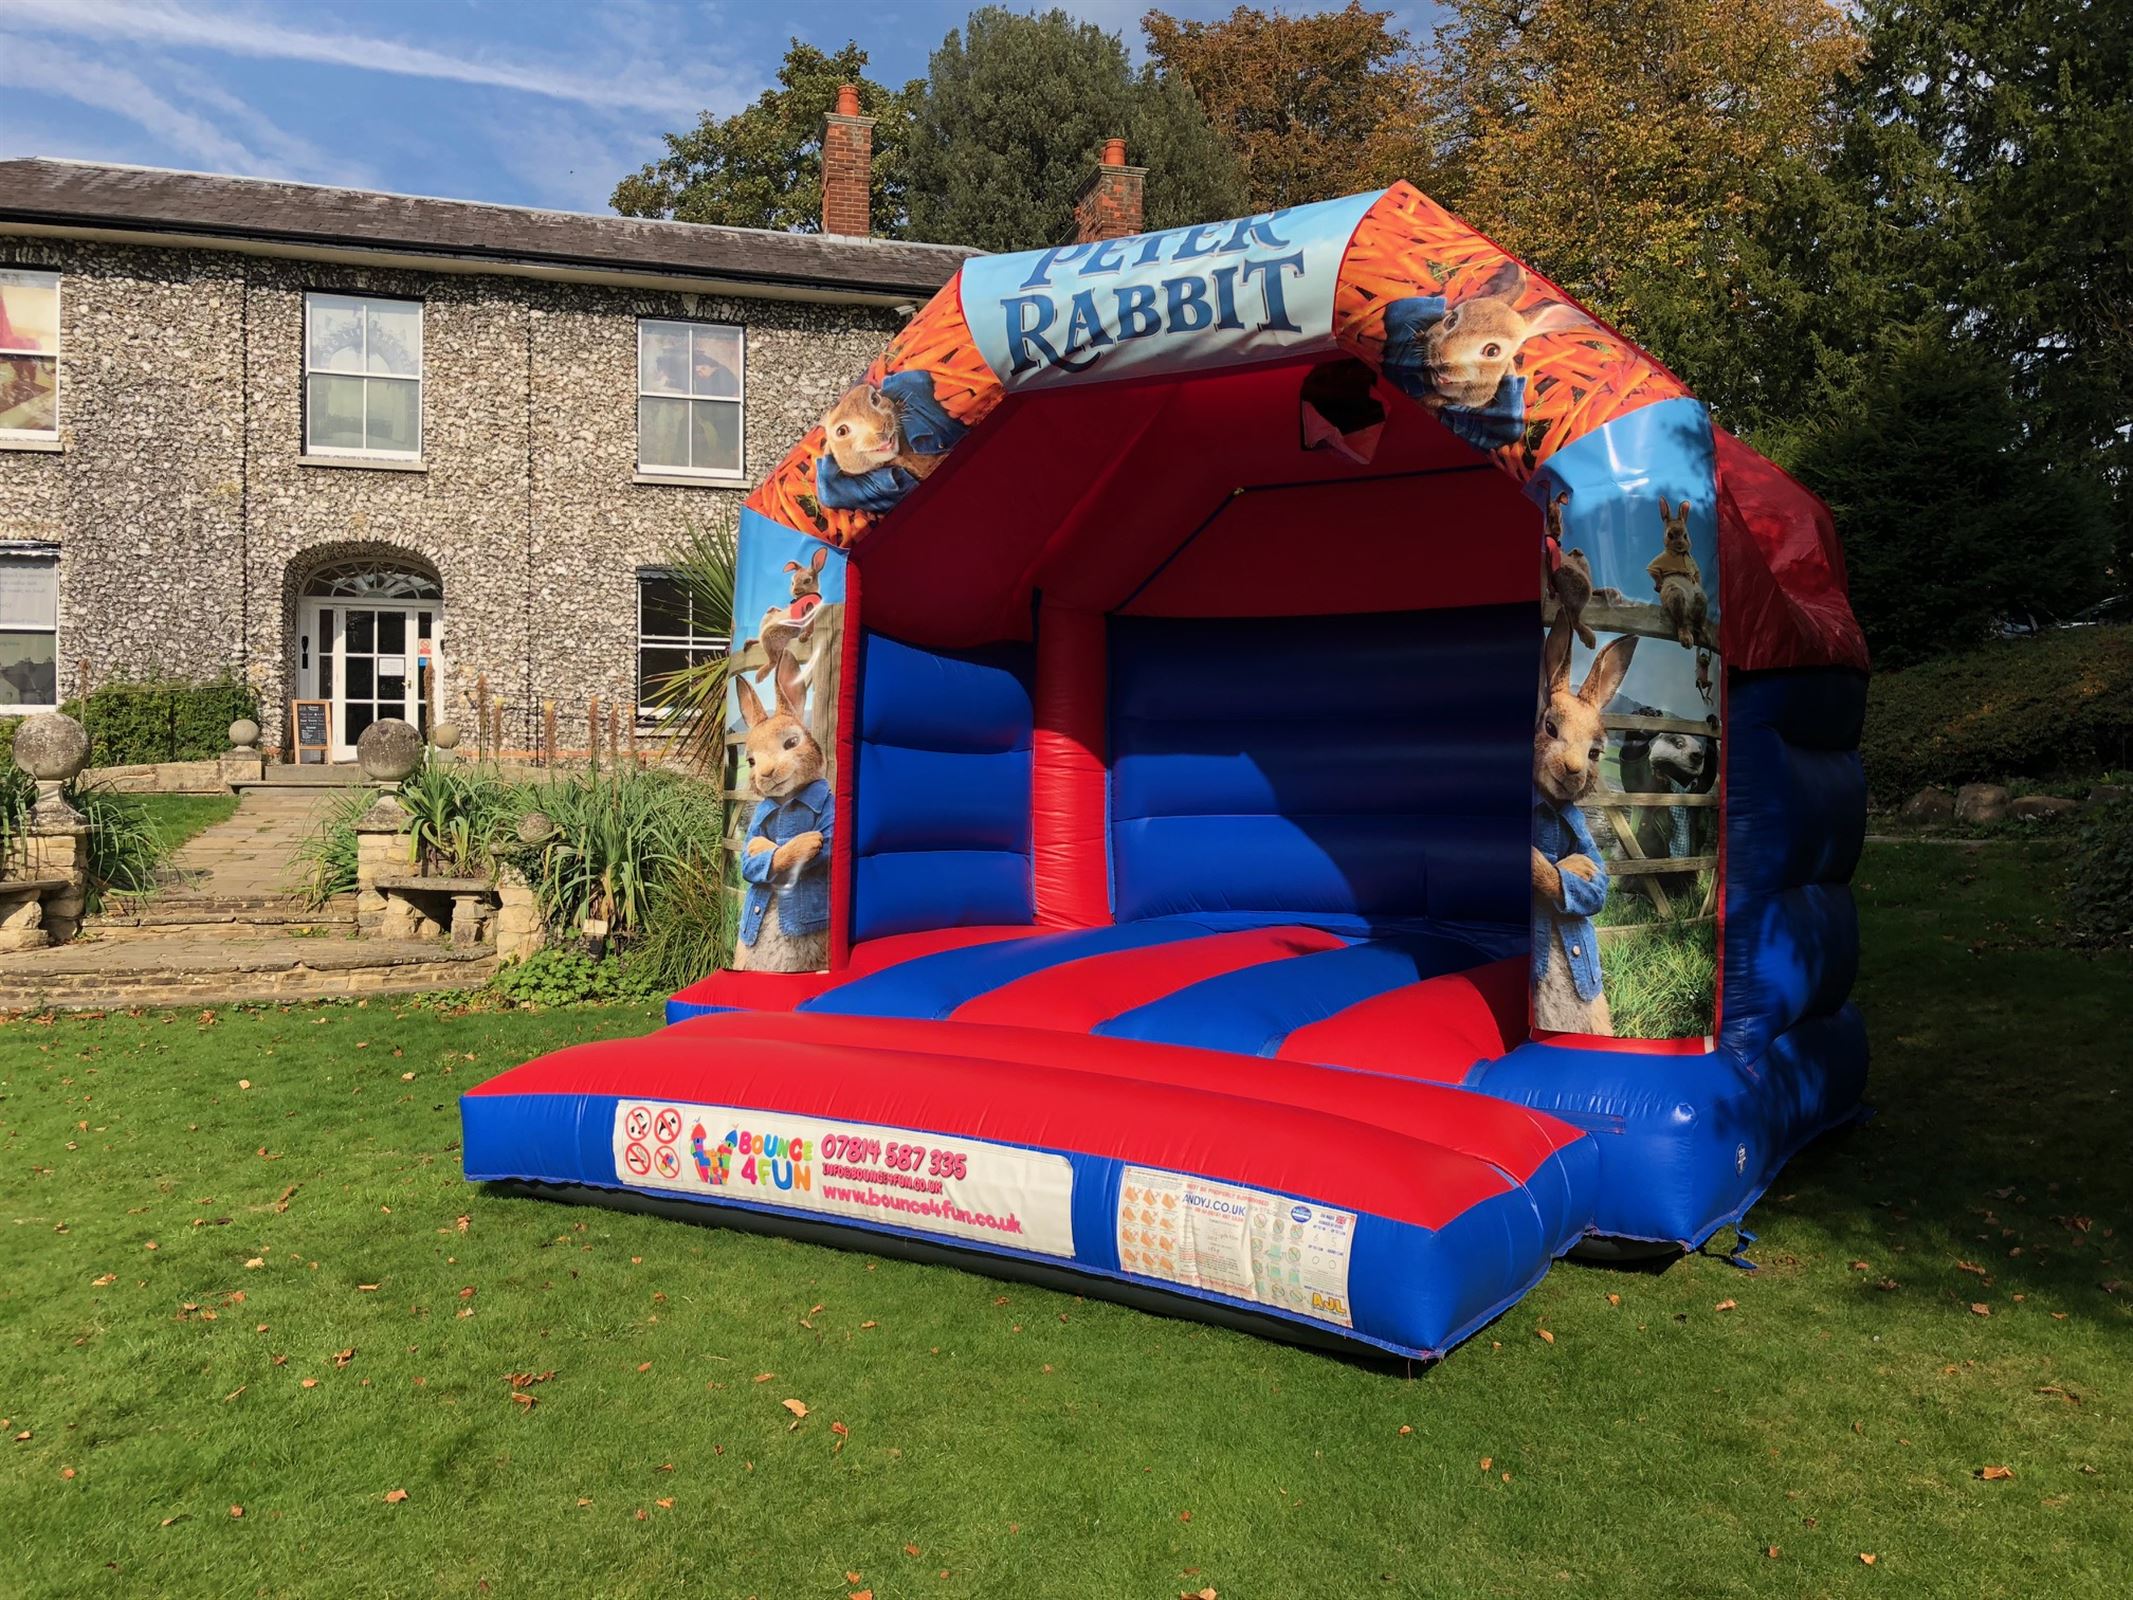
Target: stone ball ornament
(244,733)
(445,736)
(534,827)
(51,747)
(389,750)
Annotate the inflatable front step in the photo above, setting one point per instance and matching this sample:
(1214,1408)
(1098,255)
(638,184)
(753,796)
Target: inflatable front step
(1395,1214)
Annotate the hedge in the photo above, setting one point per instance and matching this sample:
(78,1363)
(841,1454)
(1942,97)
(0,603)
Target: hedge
(133,724)
(2059,705)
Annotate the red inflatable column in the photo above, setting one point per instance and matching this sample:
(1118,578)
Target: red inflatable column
(1067,777)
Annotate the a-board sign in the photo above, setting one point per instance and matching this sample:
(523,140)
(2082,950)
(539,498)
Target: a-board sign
(313,729)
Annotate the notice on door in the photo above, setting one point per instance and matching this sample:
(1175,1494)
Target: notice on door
(924,1182)
(1245,1243)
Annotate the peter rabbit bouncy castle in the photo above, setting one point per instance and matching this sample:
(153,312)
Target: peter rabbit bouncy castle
(1299,777)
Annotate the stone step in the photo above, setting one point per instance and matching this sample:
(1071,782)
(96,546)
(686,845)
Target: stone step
(165,913)
(206,969)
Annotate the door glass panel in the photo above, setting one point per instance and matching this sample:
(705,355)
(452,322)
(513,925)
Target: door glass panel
(363,631)
(392,632)
(359,677)
(392,687)
(355,717)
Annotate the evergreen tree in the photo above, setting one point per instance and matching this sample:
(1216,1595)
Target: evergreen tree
(762,167)
(1013,113)
(1950,514)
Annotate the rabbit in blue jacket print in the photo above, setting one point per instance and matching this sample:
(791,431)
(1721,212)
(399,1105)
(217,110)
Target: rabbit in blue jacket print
(1569,873)
(785,913)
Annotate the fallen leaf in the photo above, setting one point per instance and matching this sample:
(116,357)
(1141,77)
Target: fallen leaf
(236,1511)
(1859,1266)
(255,1263)
(851,1577)
(664,1505)
(341,1358)
(1771,1552)
(840,1430)
(366,1288)
(911,1550)
(463,1223)
(583,1501)
(1184,1516)
(180,1517)
(1545,1335)
(1614,1299)
(1405,1430)
(1727,1305)
(521,1398)
(764,1377)
(66,1472)
(643,1515)
(1978,1308)
(644,1366)
(105,1281)
(394,1496)
(869,1324)
(1486,1463)
(309,1383)
(244,1083)
(1995,1474)
(1886,1285)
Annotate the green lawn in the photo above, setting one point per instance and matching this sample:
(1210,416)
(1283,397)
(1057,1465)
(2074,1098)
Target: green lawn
(174,1343)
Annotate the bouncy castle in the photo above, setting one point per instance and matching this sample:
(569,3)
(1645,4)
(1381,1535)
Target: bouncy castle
(1295,777)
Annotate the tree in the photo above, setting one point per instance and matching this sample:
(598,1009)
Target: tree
(1636,151)
(762,167)
(1991,147)
(1309,103)
(1949,512)
(1010,120)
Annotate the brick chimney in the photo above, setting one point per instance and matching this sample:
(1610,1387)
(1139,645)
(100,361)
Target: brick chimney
(848,167)
(1109,205)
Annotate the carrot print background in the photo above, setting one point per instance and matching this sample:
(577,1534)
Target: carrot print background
(936,341)
(1576,378)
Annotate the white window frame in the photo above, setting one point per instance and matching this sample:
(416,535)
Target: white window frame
(421,380)
(41,435)
(667,641)
(736,474)
(48,554)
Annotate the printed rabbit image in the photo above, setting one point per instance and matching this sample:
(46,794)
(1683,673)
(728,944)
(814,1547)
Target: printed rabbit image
(785,915)
(1566,574)
(1459,357)
(882,440)
(1569,874)
(1679,581)
(782,625)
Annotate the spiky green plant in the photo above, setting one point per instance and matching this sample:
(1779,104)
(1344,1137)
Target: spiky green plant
(457,815)
(694,699)
(615,839)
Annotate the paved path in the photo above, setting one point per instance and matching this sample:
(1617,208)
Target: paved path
(254,852)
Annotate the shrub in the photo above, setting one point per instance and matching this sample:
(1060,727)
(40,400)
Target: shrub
(137,724)
(559,977)
(2099,898)
(458,816)
(126,852)
(691,928)
(2057,705)
(327,855)
(616,840)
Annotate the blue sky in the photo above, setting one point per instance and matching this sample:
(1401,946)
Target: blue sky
(530,102)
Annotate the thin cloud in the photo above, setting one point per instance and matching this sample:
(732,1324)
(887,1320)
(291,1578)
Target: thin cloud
(163,22)
(103,87)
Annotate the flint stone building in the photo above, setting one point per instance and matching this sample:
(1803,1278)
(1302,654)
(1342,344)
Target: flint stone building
(376,450)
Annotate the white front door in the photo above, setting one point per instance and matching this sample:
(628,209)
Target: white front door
(368,660)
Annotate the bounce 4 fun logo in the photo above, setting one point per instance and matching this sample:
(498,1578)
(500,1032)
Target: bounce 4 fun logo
(650,1144)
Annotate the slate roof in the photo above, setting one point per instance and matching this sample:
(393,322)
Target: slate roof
(87,195)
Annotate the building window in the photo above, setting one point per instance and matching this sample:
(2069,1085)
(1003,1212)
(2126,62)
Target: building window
(362,376)
(671,637)
(29,631)
(689,398)
(29,354)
